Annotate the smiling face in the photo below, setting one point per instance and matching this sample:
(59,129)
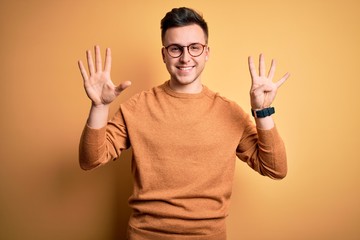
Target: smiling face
(185,71)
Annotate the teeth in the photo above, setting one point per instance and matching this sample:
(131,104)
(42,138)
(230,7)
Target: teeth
(185,68)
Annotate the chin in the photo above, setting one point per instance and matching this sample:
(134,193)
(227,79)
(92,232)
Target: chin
(185,80)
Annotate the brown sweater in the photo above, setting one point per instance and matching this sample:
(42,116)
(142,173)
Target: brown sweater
(184,151)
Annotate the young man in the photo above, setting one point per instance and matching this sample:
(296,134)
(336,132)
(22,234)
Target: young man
(184,137)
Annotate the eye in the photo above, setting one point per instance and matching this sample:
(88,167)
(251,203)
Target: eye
(174,48)
(195,47)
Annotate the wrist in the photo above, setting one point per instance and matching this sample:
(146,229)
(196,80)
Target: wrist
(101,105)
(265,123)
(98,116)
(262,113)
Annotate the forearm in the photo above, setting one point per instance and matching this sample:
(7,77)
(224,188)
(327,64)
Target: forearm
(265,123)
(271,153)
(92,139)
(92,148)
(277,163)
(101,140)
(264,151)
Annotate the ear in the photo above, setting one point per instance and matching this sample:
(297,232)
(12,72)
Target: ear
(163,54)
(207,52)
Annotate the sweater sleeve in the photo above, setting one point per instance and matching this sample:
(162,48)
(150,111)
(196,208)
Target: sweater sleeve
(99,146)
(264,151)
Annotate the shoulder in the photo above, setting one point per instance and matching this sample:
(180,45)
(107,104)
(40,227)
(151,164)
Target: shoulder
(229,111)
(224,102)
(144,96)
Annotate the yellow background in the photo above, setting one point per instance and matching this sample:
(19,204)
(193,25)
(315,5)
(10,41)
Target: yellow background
(45,195)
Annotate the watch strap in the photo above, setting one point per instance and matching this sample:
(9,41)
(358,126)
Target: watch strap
(263,112)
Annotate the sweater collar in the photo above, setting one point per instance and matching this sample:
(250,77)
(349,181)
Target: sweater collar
(169,91)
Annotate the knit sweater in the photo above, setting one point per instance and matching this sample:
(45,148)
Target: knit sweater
(184,151)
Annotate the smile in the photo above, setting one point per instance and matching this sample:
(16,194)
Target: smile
(185,68)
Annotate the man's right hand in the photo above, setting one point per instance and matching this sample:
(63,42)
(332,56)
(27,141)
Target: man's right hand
(98,85)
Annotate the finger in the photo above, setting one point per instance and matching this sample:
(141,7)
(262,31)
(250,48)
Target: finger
(262,66)
(252,68)
(108,60)
(282,80)
(98,62)
(272,70)
(90,62)
(122,87)
(83,71)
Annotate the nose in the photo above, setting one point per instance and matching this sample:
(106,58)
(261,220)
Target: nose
(185,56)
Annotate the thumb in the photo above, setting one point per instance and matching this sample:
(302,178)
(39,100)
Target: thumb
(282,80)
(122,86)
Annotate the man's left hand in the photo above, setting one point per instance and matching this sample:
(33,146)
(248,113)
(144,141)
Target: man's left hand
(263,89)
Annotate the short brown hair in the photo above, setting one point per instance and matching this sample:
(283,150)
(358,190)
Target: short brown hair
(179,17)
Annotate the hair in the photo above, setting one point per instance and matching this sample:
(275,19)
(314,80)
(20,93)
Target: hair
(180,17)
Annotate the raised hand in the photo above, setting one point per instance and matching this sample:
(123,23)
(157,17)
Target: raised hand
(98,85)
(263,89)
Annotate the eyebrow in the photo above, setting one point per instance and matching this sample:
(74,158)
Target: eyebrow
(178,44)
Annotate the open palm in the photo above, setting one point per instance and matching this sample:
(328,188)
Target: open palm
(263,89)
(98,85)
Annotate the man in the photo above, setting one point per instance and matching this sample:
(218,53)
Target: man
(184,137)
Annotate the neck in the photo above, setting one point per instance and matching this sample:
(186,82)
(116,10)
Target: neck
(192,88)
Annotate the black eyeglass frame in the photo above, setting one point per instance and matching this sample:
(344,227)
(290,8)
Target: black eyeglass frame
(188,49)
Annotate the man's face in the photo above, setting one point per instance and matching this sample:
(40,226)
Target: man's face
(185,71)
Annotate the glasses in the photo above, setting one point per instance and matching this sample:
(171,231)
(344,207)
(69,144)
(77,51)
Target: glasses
(194,49)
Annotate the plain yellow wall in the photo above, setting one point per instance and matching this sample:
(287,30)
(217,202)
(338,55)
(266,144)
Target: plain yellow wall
(45,195)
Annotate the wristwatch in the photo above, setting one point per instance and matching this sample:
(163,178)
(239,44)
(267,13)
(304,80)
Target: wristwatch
(263,112)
